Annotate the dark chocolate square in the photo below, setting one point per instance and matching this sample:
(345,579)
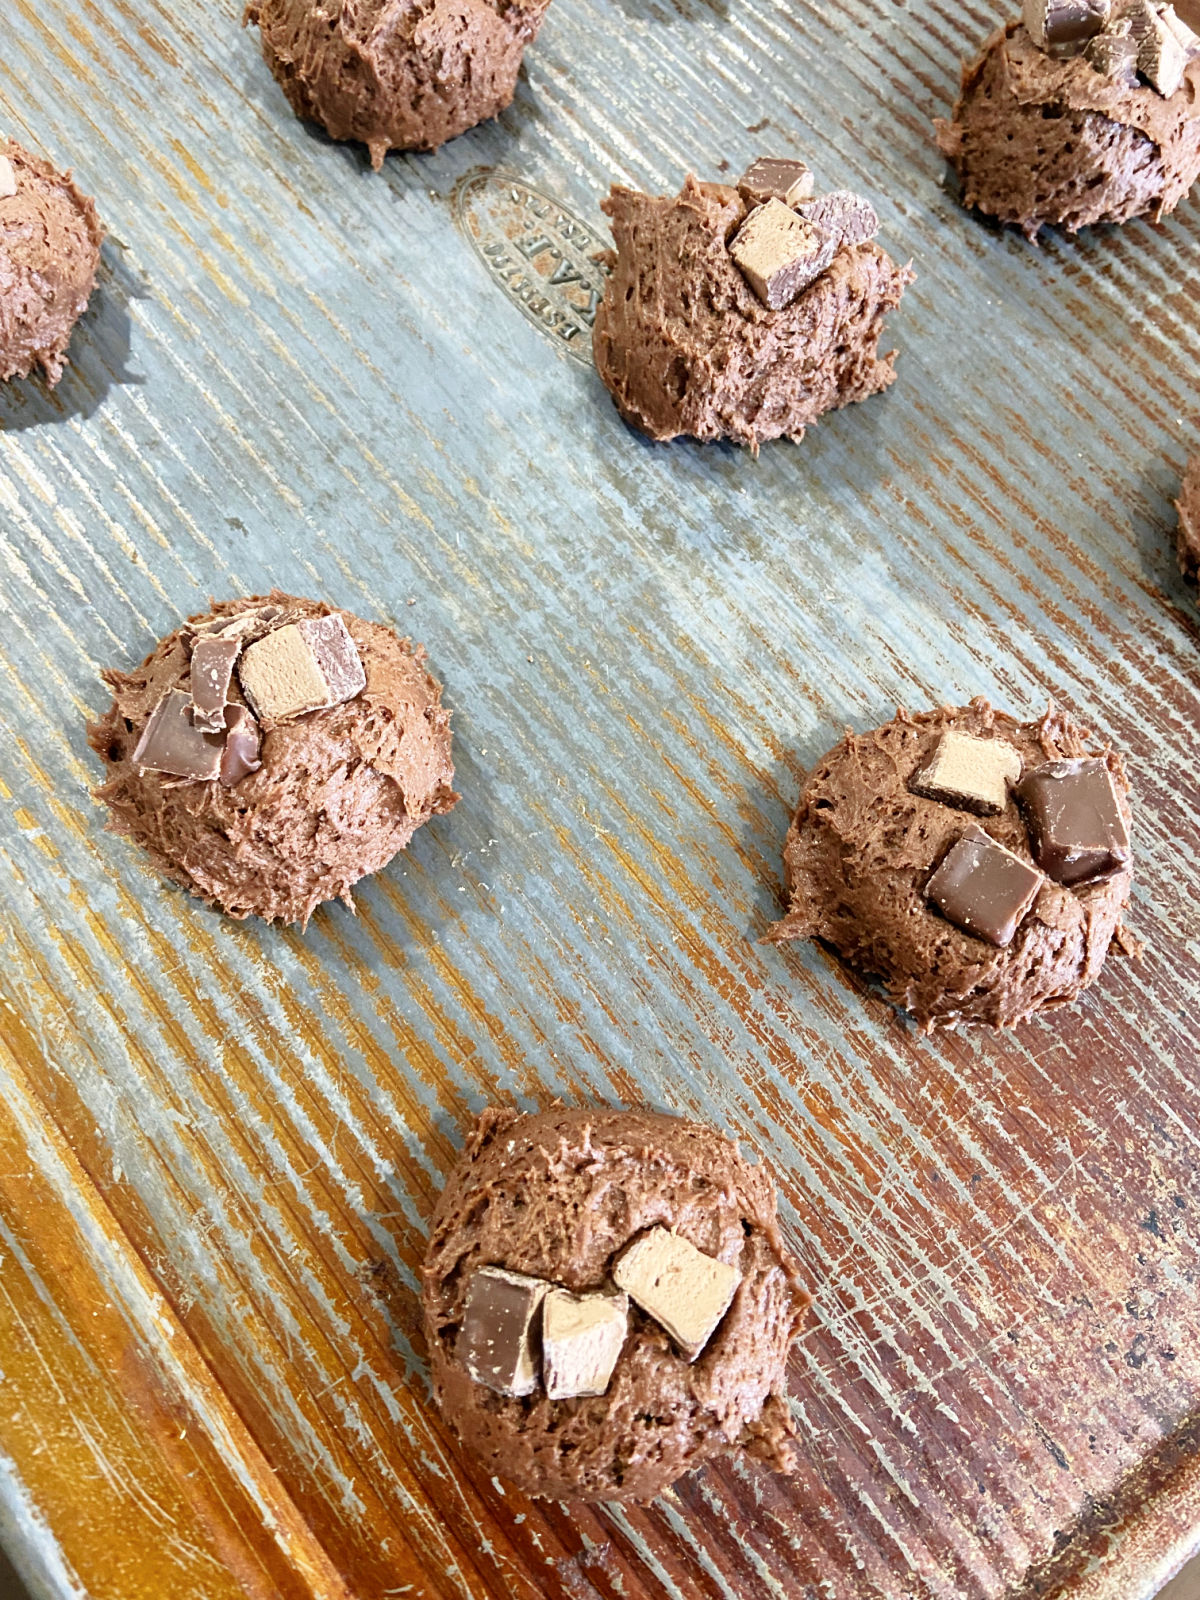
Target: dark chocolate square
(983,888)
(1075,823)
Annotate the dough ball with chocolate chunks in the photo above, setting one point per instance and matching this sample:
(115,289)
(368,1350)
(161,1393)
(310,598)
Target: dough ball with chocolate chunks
(739,315)
(50,241)
(272,751)
(978,865)
(1040,139)
(396,76)
(609,1303)
(1188,506)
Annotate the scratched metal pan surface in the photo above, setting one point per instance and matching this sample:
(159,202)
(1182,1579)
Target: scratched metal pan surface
(375,388)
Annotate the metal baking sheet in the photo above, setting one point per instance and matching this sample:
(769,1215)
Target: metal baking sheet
(375,388)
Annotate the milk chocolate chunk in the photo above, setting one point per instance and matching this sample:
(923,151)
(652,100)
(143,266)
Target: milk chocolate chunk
(582,1339)
(8,178)
(983,888)
(846,217)
(1063,27)
(1162,57)
(973,774)
(302,666)
(243,746)
(1075,822)
(497,1344)
(779,253)
(172,743)
(775,178)
(213,659)
(1114,52)
(683,1289)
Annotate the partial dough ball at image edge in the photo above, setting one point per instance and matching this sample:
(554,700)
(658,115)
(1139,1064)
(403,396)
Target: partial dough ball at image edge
(1039,139)
(924,860)
(1188,506)
(666,1230)
(50,238)
(396,78)
(271,752)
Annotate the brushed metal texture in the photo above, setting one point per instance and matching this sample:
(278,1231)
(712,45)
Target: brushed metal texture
(297,372)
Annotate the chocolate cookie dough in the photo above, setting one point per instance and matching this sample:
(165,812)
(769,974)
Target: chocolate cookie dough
(50,241)
(272,751)
(1188,506)
(1098,125)
(978,865)
(743,315)
(609,1303)
(396,77)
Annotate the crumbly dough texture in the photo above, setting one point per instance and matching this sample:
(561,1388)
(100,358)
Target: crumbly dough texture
(338,793)
(1037,141)
(685,346)
(396,74)
(862,847)
(50,239)
(1188,506)
(558,1195)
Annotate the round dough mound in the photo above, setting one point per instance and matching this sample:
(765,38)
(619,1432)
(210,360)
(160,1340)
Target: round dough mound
(1036,141)
(558,1195)
(338,792)
(685,346)
(862,847)
(50,241)
(1188,505)
(396,74)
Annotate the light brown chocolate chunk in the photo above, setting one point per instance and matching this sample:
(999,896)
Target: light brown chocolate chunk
(300,667)
(1063,27)
(1114,52)
(582,1339)
(213,661)
(497,1343)
(8,179)
(243,746)
(1162,57)
(779,253)
(679,1286)
(972,774)
(775,178)
(172,743)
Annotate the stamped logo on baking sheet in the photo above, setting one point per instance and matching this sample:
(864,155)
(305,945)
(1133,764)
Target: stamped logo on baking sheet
(542,256)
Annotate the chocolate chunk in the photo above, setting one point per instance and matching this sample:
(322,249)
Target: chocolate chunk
(8,178)
(1063,27)
(846,217)
(302,666)
(1162,57)
(1114,52)
(213,659)
(779,253)
(172,742)
(973,774)
(775,178)
(1075,822)
(582,1338)
(243,746)
(498,1337)
(983,888)
(685,1290)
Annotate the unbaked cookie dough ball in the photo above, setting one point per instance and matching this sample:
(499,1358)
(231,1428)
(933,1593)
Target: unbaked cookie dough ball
(50,241)
(396,74)
(1188,506)
(609,1303)
(980,866)
(272,751)
(1077,115)
(743,312)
